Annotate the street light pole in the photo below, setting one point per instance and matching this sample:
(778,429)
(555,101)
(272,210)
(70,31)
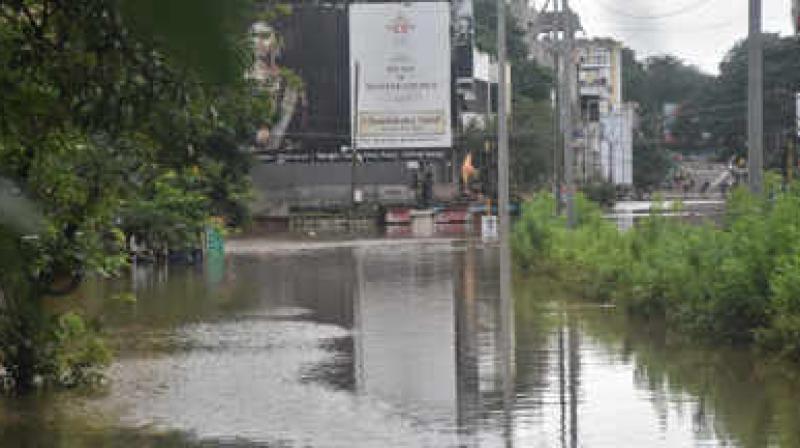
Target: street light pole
(755,97)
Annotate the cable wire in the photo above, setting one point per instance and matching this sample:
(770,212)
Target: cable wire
(685,9)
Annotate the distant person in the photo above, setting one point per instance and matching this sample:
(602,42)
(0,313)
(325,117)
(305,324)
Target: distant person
(705,187)
(723,187)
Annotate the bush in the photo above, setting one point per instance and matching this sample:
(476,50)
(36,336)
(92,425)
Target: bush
(604,193)
(56,351)
(737,282)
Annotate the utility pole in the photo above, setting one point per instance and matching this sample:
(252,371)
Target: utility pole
(794,138)
(558,149)
(755,98)
(506,300)
(354,137)
(502,123)
(568,82)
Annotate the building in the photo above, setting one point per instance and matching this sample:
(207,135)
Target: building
(373,108)
(603,137)
(605,131)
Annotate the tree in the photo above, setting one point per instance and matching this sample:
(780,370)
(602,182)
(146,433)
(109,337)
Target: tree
(723,110)
(658,81)
(113,110)
(532,141)
(531,123)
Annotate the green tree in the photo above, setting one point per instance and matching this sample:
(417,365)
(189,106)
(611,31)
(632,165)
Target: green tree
(113,110)
(651,84)
(531,123)
(723,110)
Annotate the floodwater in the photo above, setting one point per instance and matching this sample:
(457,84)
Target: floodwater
(379,344)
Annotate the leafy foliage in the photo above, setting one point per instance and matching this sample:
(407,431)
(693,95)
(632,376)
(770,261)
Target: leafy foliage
(120,118)
(737,282)
(651,84)
(722,111)
(713,110)
(531,141)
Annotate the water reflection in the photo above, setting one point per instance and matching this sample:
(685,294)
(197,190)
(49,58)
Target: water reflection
(402,346)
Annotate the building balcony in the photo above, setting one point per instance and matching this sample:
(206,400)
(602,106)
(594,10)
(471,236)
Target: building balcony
(600,91)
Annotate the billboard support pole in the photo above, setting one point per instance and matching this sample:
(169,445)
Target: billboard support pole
(354,136)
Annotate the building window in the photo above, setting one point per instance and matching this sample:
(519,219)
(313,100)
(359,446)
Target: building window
(590,109)
(600,56)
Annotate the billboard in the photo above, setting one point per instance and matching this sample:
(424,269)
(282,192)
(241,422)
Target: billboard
(400,75)
(616,153)
(319,114)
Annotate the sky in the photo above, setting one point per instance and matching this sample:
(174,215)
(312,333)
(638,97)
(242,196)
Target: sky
(698,31)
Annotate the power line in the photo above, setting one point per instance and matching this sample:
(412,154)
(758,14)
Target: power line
(685,9)
(698,29)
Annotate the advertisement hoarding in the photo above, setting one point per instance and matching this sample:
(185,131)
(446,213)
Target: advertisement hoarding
(400,75)
(616,152)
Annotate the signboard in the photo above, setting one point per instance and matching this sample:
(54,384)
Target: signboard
(400,75)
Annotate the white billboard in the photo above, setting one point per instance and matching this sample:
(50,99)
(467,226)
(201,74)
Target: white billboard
(616,153)
(400,75)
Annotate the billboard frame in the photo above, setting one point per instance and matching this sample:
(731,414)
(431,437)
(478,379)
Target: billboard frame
(401,80)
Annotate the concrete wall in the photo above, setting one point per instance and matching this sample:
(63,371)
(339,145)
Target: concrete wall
(329,185)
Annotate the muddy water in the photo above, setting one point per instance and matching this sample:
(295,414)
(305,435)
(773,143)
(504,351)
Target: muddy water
(377,344)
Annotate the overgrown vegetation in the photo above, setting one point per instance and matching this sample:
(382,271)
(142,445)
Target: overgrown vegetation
(120,119)
(735,282)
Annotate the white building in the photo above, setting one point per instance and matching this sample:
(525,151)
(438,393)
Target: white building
(604,133)
(605,145)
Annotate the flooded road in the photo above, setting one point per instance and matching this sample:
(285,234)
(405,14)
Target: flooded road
(376,344)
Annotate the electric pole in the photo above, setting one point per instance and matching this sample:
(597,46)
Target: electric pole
(568,80)
(502,154)
(558,149)
(506,299)
(502,123)
(755,98)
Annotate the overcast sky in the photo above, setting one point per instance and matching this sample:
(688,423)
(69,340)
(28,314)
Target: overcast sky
(698,31)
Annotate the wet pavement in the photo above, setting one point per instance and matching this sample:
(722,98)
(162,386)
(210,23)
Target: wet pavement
(395,344)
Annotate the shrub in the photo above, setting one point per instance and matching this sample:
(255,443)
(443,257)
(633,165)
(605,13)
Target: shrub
(738,282)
